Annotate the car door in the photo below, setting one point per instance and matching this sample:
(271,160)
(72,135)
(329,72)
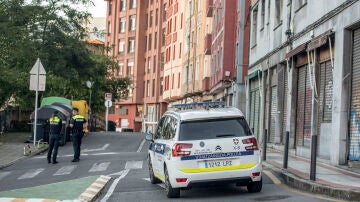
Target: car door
(159,147)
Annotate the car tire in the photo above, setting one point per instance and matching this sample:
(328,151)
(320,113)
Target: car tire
(153,179)
(254,186)
(170,191)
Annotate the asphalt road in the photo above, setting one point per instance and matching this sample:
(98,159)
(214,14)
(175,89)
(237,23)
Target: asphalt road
(123,157)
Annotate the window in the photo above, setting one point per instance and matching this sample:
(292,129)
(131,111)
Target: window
(112,110)
(121,46)
(161,85)
(162,62)
(149,65)
(156,17)
(123,110)
(110,7)
(153,87)
(150,42)
(299,4)
(174,52)
(160,129)
(180,50)
(132,4)
(122,25)
(122,5)
(148,88)
(131,45)
(132,24)
(154,64)
(278,12)
(130,69)
(121,68)
(213,129)
(179,80)
(262,14)
(155,40)
(151,19)
(173,81)
(254,25)
(109,28)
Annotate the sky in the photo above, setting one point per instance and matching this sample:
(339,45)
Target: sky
(99,10)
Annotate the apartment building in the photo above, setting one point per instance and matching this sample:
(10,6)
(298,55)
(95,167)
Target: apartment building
(303,76)
(223,42)
(134,32)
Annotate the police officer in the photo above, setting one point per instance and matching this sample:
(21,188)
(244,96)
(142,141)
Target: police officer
(76,123)
(55,129)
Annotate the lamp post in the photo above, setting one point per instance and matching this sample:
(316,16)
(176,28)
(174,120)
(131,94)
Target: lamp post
(89,84)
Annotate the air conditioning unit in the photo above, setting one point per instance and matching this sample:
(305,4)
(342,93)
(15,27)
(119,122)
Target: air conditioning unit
(227,73)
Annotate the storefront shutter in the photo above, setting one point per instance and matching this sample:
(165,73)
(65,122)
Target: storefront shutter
(273,113)
(285,103)
(300,104)
(354,146)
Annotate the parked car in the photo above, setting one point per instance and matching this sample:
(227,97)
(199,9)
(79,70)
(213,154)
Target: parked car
(213,144)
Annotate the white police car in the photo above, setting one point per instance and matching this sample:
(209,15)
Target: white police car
(192,147)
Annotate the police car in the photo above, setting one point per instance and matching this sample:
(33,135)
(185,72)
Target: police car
(203,143)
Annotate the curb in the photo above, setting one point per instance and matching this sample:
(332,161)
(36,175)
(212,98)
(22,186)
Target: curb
(93,191)
(313,187)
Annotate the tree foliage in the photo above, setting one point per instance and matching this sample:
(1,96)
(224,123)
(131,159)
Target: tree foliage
(53,31)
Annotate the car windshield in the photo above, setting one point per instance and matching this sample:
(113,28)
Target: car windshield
(213,129)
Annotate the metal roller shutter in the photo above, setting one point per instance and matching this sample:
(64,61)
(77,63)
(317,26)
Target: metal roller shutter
(308,110)
(257,113)
(300,103)
(354,146)
(273,112)
(254,106)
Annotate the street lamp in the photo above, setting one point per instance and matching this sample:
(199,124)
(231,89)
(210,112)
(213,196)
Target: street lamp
(89,84)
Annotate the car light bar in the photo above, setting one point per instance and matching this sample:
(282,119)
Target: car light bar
(199,105)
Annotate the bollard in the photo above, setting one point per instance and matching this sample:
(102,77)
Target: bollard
(264,146)
(286,150)
(313,158)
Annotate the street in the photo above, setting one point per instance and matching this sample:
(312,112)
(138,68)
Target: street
(123,157)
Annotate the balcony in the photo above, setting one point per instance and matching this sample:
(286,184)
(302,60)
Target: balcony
(209,8)
(206,84)
(207,44)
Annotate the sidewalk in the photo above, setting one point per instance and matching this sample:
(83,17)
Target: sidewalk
(14,147)
(338,182)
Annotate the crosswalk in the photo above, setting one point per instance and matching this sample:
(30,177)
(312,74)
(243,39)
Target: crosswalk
(66,170)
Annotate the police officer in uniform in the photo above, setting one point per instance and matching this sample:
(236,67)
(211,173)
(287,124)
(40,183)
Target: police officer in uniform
(55,129)
(76,123)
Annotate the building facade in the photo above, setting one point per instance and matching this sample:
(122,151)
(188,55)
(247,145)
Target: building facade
(303,65)
(223,42)
(134,35)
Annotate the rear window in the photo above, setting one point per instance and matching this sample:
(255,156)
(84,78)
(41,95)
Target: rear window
(213,129)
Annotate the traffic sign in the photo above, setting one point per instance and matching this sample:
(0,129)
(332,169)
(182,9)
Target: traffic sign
(108,96)
(108,103)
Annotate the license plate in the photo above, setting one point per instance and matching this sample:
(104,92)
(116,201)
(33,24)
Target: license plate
(219,163)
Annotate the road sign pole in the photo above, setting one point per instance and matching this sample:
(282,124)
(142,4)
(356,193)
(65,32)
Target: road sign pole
(36,101)
(107,117)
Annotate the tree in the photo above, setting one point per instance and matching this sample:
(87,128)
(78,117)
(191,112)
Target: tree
(53,31)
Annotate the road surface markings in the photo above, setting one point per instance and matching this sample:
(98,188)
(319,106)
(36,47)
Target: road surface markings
(141,145)
(272,177)
(98,149)
(31,173)
(65,170)
(160,184)
(99,167)
(4,174)
(133,165)
(114,184)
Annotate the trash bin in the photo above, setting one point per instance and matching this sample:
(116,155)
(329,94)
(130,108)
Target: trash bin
(40,132)
(111,126)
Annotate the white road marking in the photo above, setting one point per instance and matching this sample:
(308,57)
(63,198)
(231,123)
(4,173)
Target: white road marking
(99,167)
(272,177)
(65,170)
(98,149)
(113,185)
(31,173)
(162,185)
(141,145)
(133,165)
(4,174)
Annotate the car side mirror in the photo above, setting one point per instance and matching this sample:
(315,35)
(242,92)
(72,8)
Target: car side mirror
(149,137)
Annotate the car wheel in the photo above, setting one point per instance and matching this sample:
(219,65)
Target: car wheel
(170,192)
(153,179)
(254,186)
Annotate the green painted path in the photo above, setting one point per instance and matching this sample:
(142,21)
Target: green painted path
(66,190)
